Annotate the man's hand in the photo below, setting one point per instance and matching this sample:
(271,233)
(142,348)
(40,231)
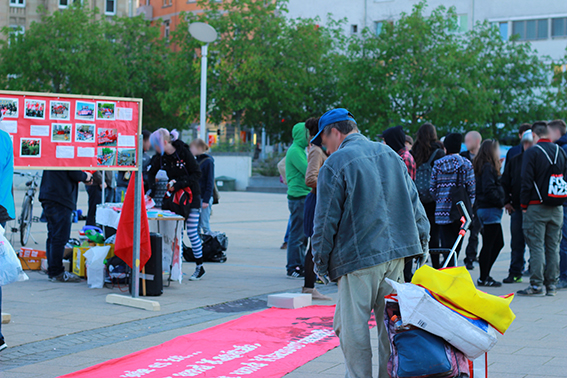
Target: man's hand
(322,276)
(509,208)
(89,176)
(205,205)
(425,255)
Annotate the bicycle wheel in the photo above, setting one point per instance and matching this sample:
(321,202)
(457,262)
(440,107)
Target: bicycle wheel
(26,221)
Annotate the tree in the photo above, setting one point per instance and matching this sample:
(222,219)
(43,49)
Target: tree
(76,51)
(264,70)
(406,74)
(558,96)
(510,79)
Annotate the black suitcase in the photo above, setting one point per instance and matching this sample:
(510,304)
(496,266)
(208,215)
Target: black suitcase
(153,270)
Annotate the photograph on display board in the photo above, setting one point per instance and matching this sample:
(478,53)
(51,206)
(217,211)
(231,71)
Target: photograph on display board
(106,137)
(9,106)
(60,110)
(34,109)
(106,156)
(85,111)
(126,156)
(61,132)
(85,133)
(30,147)
(105,110)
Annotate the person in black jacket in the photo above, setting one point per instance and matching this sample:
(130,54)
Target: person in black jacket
(206,182)
(58,196)
(175,158)
(542,195)
(512,182)
(427,145)
(489,203)
(95,194)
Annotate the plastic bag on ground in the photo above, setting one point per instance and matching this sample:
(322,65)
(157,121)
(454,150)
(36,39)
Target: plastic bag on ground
(95,266)
(473,337)
(10,266)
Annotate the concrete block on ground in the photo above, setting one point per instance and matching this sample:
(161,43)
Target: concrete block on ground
(6,318)
(289,300)
(124,300)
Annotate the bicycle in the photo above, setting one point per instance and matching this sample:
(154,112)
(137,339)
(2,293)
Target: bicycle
(26,217)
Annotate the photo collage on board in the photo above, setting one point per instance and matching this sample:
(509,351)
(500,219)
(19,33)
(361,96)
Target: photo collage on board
(77,128)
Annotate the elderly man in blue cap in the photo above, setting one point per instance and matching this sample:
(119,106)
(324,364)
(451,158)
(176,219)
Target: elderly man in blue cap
(368,219)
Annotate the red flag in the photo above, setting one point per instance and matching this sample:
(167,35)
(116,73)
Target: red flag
(125,232)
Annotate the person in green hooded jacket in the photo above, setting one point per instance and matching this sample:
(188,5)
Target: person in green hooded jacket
(295,168)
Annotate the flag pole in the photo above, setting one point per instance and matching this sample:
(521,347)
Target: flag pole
(137,220)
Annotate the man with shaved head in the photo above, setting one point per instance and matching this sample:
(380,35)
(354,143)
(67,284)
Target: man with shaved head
(473,139)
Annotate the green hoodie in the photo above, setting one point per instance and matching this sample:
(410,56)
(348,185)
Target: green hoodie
(296,163)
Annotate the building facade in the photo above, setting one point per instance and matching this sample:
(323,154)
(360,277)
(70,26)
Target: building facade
(168,11)
(19,14)
(542,23)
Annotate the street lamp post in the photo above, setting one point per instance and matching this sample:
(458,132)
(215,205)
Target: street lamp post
(207,34)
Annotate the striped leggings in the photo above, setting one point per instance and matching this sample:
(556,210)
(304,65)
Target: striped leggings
(193,234)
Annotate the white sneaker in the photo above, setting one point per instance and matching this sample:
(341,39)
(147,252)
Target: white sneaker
(3,346)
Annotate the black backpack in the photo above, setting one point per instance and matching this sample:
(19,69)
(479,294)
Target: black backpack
(214,246)
(423,179)
(554,192)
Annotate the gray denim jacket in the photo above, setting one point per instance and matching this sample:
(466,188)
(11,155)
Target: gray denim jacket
(368,209)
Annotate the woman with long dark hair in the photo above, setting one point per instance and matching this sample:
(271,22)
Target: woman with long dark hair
(175,158)
(426,150)
(489,202)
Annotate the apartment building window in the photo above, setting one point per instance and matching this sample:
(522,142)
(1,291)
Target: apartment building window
(110,7)
(64,3)
(529,30)
(559,27)
(166,30)
(379,25)
(18,3)
(353,29)
(461,24)
(503,27)
(16,29)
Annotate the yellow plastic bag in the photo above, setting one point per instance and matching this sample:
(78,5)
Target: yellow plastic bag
(455,288)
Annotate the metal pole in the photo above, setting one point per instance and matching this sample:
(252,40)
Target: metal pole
(137,221)
(263,153)
(203,123)
(102,186)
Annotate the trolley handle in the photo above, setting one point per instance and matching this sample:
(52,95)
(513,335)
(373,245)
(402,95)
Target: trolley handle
(465,216)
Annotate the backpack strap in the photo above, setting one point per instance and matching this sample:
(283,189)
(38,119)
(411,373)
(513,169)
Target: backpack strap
(204,160)
(430,160)
(546,154)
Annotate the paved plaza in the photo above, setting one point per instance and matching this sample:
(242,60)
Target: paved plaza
(59,328)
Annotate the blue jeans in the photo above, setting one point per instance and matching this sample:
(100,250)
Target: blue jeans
(491,215)
(563,248)
(286,237)
(120,191)
(205,218)
(296,243)
(58,233)
(518,244)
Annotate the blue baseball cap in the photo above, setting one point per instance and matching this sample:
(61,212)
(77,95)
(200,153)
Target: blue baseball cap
(332,116)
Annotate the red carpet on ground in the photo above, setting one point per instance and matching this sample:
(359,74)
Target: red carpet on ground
(270,343)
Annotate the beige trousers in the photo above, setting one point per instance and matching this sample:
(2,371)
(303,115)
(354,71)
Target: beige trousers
(361,292)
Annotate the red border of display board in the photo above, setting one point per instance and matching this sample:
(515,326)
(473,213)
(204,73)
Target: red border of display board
(63,131)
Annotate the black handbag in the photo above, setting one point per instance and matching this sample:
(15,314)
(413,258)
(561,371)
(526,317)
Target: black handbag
(459,193)
(179,202)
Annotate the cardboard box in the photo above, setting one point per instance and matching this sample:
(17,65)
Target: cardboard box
(31,258)
(79,261)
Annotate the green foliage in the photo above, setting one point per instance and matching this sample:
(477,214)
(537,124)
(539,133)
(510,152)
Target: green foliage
(77,51)
(267,70)
(264,71)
